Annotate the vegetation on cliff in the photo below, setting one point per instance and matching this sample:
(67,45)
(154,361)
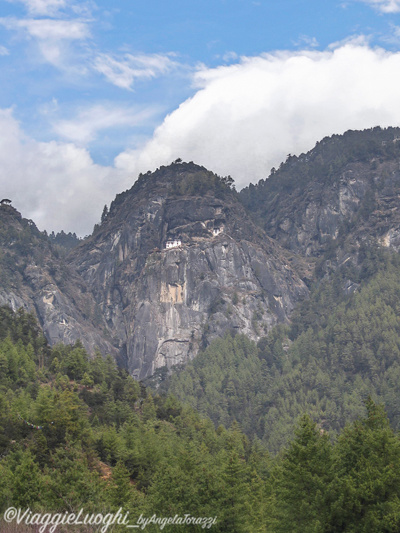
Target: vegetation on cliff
(323,164)
(337,350)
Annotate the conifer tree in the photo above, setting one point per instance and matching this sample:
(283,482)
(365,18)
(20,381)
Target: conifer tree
(27,483)
(365,491)
(301,480)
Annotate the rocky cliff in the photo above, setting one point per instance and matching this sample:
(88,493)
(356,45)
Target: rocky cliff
(346,188)
(33,277)
(177,261)
(181,258)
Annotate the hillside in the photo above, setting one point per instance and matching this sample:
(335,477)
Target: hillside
(181,259)
(272,349)
(79,434)
(338,350)
(33,276)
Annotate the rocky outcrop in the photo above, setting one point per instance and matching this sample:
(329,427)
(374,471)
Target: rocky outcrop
(219,273)
(347,187)
(33,277)
(178,260)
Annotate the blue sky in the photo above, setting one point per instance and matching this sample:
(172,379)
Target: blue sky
(92,93)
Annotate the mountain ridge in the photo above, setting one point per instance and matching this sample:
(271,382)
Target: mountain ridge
(178,260)
(341,182)
(35,278)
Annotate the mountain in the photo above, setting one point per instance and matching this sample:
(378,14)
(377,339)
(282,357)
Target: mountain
(346,188)
(177,262)
(338,349)
(33,277)
(179,266)
(181,258)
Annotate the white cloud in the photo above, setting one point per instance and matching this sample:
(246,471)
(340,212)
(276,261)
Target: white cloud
(90,121)
(43,7)
(54,8)
(354,40)
(385,6)
(52,36)
(230,56)
(305,41)
(55,184)
(246,118)
(4,51)
(49,29)
(123,72)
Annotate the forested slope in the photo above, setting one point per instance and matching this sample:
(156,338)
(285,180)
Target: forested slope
(338,350)
(81,434)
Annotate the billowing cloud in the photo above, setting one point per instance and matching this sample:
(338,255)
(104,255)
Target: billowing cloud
(385,6)
(90,121)
(242,120)
(245,118)
(123,72)
(55,184)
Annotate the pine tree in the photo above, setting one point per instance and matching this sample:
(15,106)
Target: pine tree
(149,409)
(27,483)
(120,491)
(301,480)
(366,488)
(104,213)
(235,494)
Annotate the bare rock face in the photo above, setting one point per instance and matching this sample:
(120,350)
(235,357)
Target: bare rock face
(348,186)
(33,277)
(178,262)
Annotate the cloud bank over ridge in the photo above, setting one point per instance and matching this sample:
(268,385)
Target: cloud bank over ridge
(56,184)
(242,120)
(245,118)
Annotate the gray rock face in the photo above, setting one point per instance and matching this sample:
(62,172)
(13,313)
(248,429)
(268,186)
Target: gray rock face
(320,211)
(34,278)
(178,261)
(348,186)
(221,274)
(364,203)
